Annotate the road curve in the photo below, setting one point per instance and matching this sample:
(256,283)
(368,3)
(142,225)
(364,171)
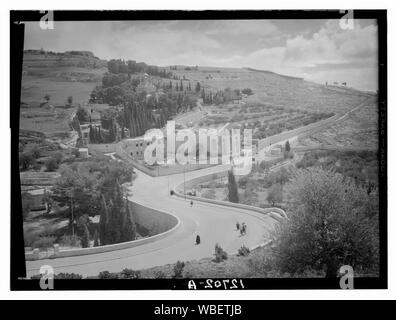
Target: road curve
(214,224)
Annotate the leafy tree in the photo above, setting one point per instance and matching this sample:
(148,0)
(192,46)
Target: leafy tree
(26,203)
(282,176)
(130,274)
(328,226)
(232,188)
(26,159)
(82,114)
(34,149)
(94,187)
(275,194)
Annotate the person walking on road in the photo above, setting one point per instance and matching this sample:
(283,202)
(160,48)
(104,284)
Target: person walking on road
(243,228)
(237,226)
(197,239)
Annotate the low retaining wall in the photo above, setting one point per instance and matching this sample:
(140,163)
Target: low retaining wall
(102,147)
(156,171)
(308,129)
(152,219)
(332,148)
(180,187)
(146,216)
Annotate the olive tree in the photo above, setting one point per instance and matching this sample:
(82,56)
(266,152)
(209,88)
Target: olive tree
(328,226)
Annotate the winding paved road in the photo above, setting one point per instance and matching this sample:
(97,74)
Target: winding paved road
(214,224)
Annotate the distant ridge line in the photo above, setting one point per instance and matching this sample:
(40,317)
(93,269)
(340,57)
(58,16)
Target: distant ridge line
(271,72)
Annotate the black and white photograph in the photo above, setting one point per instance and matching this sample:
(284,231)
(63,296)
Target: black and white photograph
(224,150)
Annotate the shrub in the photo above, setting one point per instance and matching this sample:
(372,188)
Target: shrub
(70,241)
(209,194)
(108,275)
(247,91)
(261,263)
(43,243)
(178,269)
(159,275)
(26,159)
(68,276)
(220,254)
(48,231)
(275,194)
(35,150)
(130,274)
(75,152)
(51,164)
(58,156)
(243,251)
(29,238)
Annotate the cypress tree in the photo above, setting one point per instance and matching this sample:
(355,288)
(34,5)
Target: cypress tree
(96,239)
(287,146)
(122,132)
(232,188)
(129,227)
(90,134)
(103,222)
(85,237)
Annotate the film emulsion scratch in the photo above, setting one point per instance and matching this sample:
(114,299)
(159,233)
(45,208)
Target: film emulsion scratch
(203,152)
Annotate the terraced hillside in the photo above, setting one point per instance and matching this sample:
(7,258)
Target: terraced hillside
(275,90)
(359,129)
(48,80)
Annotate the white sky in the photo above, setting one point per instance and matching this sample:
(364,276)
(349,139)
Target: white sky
(318,50)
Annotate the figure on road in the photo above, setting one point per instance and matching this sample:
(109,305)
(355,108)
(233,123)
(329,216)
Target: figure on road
(191,203)
(237,226)
(243,228)
(197,239)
